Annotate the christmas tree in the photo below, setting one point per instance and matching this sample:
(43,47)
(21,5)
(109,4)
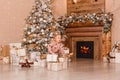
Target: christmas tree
(40,27)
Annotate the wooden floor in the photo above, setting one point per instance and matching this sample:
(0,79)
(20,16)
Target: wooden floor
(82,69)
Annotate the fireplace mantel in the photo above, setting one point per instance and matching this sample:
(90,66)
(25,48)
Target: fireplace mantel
(88,32)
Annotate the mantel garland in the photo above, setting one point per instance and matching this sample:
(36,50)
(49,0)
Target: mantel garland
(95,18)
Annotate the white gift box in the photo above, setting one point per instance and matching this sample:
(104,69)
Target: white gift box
(57,66)
(117,57)
(49,65)
(66,51)
(42,63)
(21,52)
(13,51)
(65,65)
(17,45)
(54,66)
(36,64)
(6,60)
(33,56)
(112,60)
(14,58)
(61,59)
(52,58)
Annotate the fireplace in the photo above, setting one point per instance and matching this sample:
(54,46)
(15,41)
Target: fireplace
(85,49)
(78,32)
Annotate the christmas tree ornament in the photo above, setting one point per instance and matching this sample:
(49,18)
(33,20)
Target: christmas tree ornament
(28,33)
(24,39)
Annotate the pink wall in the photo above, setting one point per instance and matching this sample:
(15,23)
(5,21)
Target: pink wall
(113,6)
(13,13)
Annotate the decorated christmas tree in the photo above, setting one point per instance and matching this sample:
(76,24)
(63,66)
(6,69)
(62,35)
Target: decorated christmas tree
(40,27)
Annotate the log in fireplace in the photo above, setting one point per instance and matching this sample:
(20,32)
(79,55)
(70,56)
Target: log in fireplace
(85,49)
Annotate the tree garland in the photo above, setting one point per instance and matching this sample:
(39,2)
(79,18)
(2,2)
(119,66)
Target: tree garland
(96,18)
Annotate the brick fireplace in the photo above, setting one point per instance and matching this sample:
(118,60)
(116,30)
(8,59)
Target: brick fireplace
(78,32)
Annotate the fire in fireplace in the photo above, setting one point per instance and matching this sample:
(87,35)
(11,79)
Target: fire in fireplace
(85,49)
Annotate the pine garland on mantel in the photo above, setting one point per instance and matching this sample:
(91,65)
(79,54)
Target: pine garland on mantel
(95,18)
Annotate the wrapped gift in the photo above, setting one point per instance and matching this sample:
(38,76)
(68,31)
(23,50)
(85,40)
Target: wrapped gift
(117,57)
(57,66)
(6,60)
(6,50)
(21,52)
(65,65)
(66,50)
(64,62)
(1,48)
(34,55)
(61,59)
(14,58)
(54,66)
(52,57)
(42,63)
(49,65)
(36,63)
(17,45)
(43,56)
(22,59)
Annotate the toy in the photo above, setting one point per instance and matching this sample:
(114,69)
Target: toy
(26,64)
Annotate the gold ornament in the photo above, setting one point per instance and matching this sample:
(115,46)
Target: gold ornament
(43,56)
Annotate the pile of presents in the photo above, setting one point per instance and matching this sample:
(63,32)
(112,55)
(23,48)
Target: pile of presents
(114,55)
(16,55)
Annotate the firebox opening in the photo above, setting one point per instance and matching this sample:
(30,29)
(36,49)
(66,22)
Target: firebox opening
(85,49)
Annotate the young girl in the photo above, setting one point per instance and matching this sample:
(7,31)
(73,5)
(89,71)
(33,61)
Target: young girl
(56,46)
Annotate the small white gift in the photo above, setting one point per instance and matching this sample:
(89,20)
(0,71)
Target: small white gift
(6,60)
(65,65)
(36,64)
(117,57)
(14,58)
(61,59)
(17,45)
(52,57)
(33,56)
(49,65)
(13,51)
(57,66)
(42,63)
(66,50)
(54,66)
(21,52)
